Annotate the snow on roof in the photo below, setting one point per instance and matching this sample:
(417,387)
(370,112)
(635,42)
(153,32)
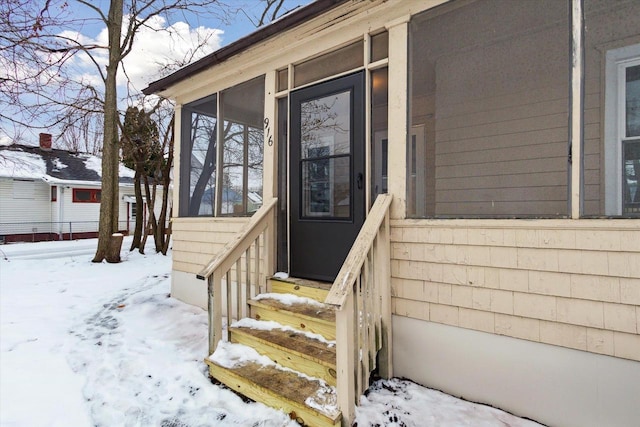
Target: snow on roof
(54,166)
(18,164)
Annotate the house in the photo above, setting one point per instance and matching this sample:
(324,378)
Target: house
(52,194)
(504,137)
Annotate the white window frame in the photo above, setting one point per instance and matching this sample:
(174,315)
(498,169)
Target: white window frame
(617,61)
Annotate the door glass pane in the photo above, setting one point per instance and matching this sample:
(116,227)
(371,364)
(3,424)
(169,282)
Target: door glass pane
(631,176)
(325,185)
(325,125)
(633,101)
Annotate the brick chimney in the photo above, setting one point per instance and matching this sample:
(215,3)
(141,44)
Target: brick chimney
(45,141)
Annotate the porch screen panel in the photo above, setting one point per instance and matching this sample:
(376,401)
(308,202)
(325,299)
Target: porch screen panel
(243,113)
(489,112)
(611,108)
(199,154)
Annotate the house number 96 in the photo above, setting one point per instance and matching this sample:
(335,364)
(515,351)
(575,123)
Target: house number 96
(267,128)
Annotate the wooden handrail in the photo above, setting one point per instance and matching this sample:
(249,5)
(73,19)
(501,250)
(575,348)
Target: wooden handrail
(242,281)
(253,228)
(361,295)
(346,277)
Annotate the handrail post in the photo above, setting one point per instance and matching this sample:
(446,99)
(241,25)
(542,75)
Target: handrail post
(345,361)
(211,312)
(216,312)
(385,357)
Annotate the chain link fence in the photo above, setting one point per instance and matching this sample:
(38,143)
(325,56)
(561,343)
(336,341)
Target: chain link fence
(48,231)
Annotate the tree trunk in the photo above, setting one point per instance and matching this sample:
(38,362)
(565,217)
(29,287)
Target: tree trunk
(115,245)
(110,147)
(166,182)
(153,222)
(137,234)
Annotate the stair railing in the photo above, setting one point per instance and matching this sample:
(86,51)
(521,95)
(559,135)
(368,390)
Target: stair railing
(361,295)
(238,267)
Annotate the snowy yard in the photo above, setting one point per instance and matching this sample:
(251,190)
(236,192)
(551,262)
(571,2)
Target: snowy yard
(85,344)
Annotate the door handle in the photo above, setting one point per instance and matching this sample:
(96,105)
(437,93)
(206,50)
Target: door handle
(359,181)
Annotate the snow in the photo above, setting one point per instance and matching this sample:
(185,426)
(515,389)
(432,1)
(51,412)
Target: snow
(87,344)
(229,355)
(281,275)
(19,164)
(289,299)
(268,325)
(24,165)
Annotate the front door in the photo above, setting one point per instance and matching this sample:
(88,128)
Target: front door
(327,166)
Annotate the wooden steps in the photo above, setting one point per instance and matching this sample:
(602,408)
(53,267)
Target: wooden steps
(291,334)
(305,317)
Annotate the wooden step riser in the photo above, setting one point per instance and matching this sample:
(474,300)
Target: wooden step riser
(287,359)
(327,330)
(300,413)
(280,287)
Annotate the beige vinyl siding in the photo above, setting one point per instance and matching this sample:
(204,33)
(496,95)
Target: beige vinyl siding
(558,282)
(197,240)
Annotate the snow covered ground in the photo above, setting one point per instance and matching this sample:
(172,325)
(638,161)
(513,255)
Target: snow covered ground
(85,344)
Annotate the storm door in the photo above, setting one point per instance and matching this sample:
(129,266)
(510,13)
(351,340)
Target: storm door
(327,195)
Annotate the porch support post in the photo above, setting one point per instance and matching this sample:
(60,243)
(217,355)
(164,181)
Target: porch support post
(269,166)
(398,115)
(577,102)
(177,143)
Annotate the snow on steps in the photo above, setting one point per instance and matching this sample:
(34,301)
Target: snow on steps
(284,357)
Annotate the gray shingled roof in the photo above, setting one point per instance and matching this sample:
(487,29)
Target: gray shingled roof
(60,164)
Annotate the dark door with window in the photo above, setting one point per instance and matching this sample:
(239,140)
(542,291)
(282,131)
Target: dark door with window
(327,195)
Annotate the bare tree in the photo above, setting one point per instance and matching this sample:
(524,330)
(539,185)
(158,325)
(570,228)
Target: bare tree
(39,42)
(271,10)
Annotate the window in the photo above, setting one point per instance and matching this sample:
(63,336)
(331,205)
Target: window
(611,164)
(631,140)
(379,126)
(622,131)
(86,195)
(199,158)
(338,61)
(236,163)
(54,193)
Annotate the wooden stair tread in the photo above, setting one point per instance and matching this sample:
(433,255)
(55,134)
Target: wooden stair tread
(279,388)
(324,314)
(293,342)
(303,282)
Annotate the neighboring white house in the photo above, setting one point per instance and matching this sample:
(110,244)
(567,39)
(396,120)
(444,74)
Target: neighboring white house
(508,135)
(51,194)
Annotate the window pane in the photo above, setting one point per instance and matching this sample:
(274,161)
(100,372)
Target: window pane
(379,46)
(83,195)
(198,186)
(347,58)
(488,110)
(283,79)
(379,125)
(243,112)
(325,184)
(631,171)
(325,125)
(632,91)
